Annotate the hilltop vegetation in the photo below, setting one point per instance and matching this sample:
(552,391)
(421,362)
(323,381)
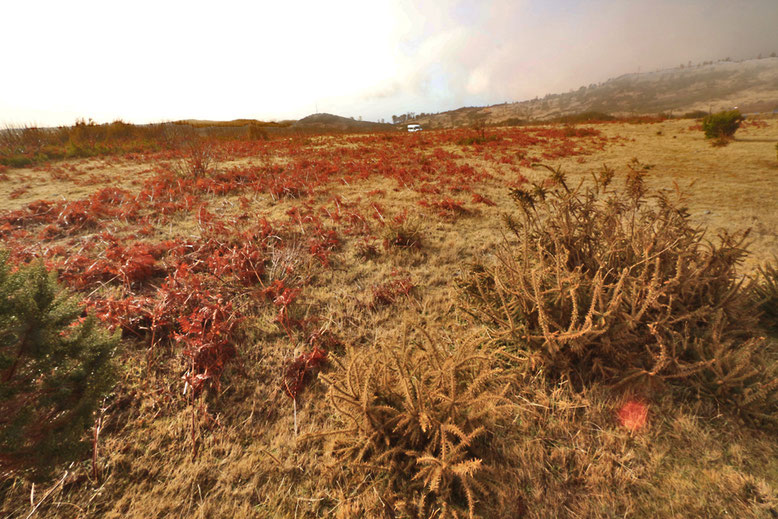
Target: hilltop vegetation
(327,123)
(26,145)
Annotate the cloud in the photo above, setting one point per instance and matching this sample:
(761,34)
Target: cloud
(149,60)
(478,82)
(518,50)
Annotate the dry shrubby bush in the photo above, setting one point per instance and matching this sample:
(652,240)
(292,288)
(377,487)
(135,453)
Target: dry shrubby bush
(601,283)
(420,419)
(199,161)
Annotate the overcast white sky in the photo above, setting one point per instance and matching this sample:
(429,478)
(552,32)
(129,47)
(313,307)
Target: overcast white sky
(153,60)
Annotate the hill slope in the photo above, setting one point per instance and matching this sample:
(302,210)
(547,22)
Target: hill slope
(751,85)
(329,122)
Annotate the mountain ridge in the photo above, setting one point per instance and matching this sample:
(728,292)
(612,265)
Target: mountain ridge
(750,85)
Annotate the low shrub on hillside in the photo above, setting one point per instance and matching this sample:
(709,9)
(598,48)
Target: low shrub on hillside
(584,117)
(478,139)
(513,121)
(694,114)
(55,370)
(28,145)
(421,417)
(722,126)
(599,283)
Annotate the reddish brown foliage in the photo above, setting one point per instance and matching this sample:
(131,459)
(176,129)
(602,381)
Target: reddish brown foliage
(300,370)
(389,292)
(446,207)
(188,292)
(633,415)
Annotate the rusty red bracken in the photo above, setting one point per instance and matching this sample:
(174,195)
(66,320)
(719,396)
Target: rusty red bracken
(633,415)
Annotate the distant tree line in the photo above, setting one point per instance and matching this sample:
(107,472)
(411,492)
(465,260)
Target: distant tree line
(403,118)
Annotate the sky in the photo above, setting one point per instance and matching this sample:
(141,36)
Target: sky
(161,60)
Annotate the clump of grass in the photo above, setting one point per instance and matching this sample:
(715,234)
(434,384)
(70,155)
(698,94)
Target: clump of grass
(389,292)
(421,417)
(366,249)
(616,284)
(402,232)
(256,132)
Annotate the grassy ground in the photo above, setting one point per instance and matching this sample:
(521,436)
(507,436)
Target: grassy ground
(245,449)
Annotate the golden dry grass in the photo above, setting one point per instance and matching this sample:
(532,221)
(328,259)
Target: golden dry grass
(565,453)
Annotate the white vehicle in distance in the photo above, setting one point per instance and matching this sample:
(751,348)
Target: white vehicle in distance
(414,127)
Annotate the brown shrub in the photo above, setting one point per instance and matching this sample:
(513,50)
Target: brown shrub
(421,417)
(617,285)
(764,293)
(199,160)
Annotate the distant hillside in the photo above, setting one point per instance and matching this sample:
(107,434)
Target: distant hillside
(329,122)
(750,85)
(313,124)
(200,123)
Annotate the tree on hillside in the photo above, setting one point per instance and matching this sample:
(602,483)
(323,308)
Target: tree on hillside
(722,126)
(55,369)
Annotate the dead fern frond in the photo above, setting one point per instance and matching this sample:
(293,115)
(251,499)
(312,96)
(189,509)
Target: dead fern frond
(424,412)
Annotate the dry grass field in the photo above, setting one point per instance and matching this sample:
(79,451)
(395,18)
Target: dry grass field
(330,269)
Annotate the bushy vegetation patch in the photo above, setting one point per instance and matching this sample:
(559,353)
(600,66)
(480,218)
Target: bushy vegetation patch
(722,126)
(616,284)
(422,416)
(764,291)
(55,370)
(584,117)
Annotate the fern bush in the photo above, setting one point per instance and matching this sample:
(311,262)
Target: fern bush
(597,283)
(421,417)
(722,125)
(55,369)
